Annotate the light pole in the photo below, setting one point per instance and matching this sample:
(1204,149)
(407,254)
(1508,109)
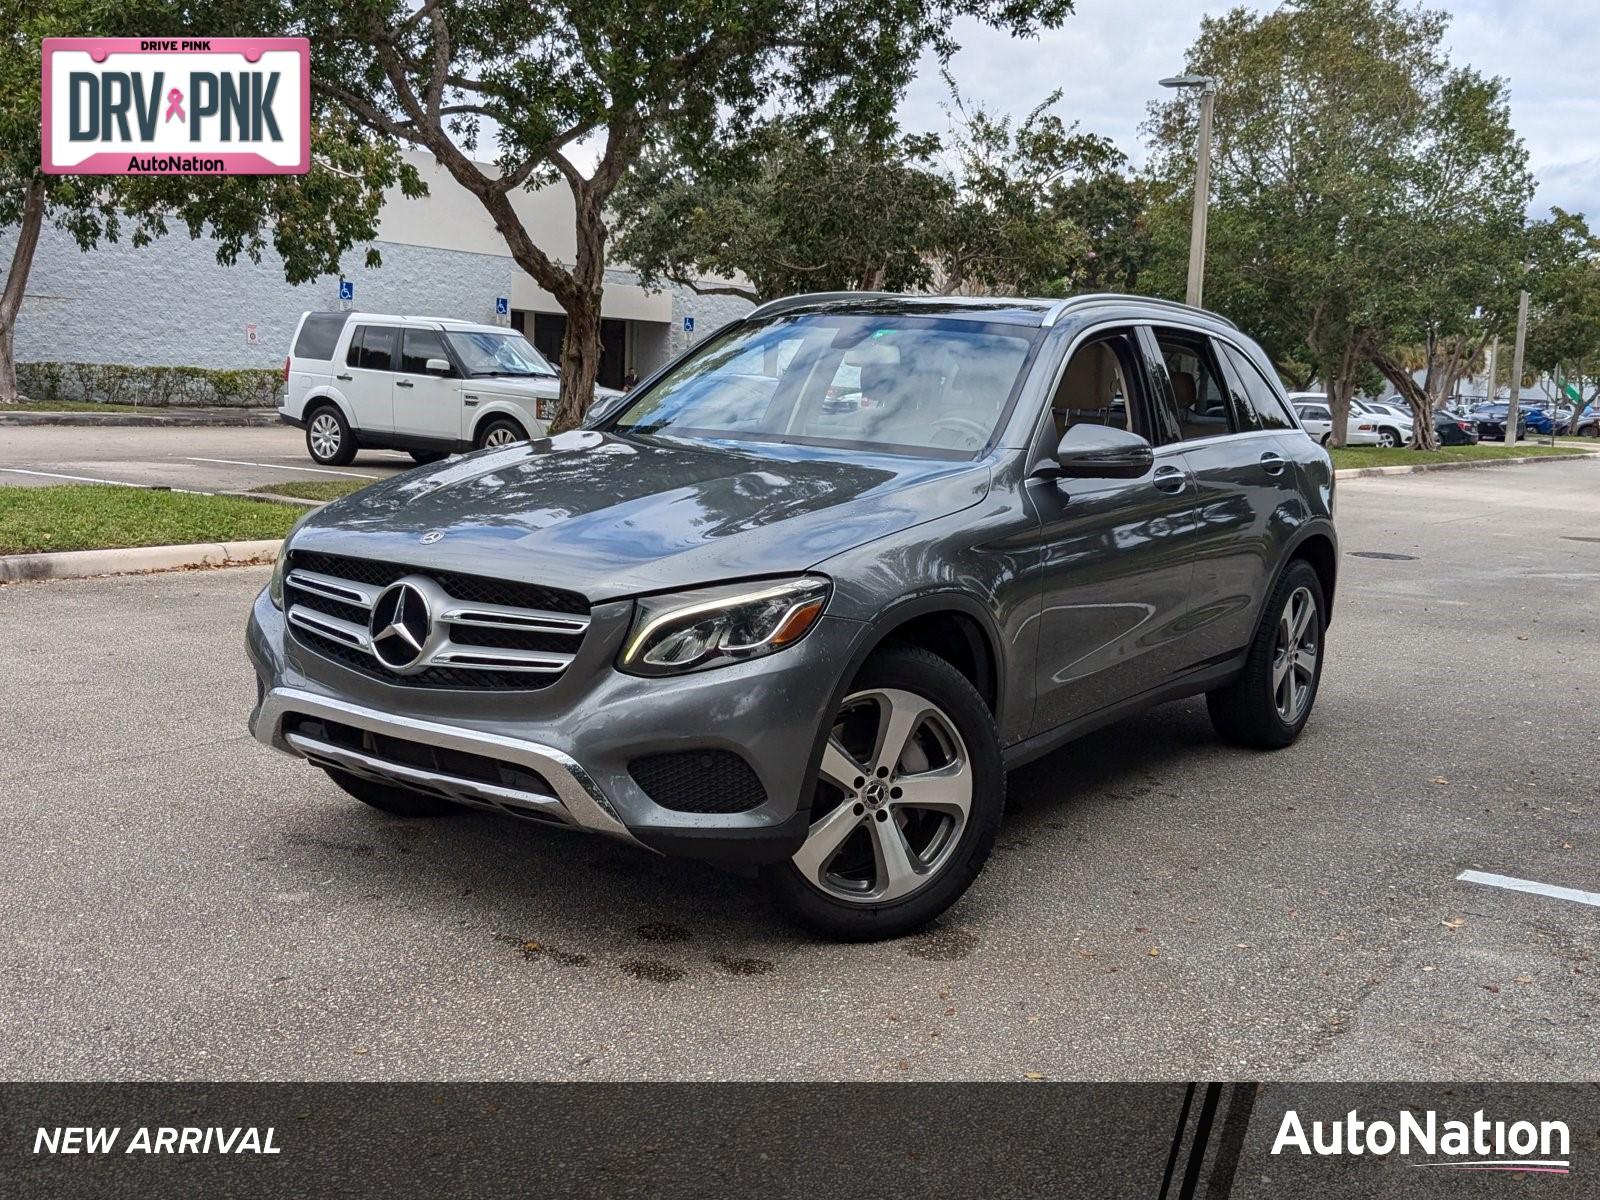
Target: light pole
(1202,180)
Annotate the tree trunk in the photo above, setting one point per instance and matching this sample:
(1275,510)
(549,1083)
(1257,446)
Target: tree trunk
(581,348)
(17,284)
(1423,434)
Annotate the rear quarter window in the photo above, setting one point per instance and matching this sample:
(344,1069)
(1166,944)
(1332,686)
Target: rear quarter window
(319,334)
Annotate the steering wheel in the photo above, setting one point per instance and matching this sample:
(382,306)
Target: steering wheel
(978,433)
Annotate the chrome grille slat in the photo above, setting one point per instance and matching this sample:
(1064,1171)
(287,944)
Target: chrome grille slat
(498,645)
(327,586)
(335,627)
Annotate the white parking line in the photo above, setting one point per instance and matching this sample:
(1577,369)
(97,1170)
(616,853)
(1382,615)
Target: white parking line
(109,482)
(1527,885)
(234,462)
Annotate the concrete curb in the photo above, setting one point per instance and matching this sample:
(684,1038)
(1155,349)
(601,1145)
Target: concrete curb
(1419,468)
(81,564)
(222,418)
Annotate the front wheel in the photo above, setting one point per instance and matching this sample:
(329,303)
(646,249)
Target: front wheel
(905,806)
(500,431)
(1390,438)
(1268,705)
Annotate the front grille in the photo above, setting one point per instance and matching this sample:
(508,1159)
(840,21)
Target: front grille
(699,781)
(498,634)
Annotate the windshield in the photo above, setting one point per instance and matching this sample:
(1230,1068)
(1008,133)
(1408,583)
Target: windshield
(484,353)
(936,387)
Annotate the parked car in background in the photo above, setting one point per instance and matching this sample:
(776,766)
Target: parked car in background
(1491,421)
(1540,420)
(422,384)
(1316,418)
(1395,424)
(1588,425)
(1452,430)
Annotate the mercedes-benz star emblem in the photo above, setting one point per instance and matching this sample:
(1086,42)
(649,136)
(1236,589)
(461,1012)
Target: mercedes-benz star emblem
(400,625)
(432,536)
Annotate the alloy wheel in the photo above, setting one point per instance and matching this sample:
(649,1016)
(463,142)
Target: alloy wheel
(894,794)
(500,435)
(1294,655)
(325,435)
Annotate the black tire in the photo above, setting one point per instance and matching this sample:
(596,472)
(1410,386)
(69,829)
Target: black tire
(1391,438)
(954,704)
(1247,711)
(495,430)
(426,456)
(1327,438)
(395,801)
(329,438)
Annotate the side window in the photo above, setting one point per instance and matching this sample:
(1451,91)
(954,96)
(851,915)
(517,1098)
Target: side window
(319,334)
(1258,396)
(418,347)
(1198,392)
(378,348)
(1314,412)
(1097,388)
(352,356)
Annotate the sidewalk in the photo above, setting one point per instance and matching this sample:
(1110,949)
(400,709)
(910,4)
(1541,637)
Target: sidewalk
(156,417)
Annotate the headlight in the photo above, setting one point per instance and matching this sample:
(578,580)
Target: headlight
(281,564)
(691,631)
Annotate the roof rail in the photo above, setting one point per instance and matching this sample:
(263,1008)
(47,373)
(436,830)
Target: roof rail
(785,303)
(1092,298)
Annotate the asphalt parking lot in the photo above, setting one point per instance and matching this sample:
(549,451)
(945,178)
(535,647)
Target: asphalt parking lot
(203,459)
(180,903)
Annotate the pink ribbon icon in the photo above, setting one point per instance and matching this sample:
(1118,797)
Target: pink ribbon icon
(175,105)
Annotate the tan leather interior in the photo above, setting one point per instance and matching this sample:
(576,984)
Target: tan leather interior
(1093,380)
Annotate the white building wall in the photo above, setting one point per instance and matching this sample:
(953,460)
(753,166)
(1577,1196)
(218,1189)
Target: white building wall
(172,304)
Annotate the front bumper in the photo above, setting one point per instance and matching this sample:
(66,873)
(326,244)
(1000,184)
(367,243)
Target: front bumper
(561,755)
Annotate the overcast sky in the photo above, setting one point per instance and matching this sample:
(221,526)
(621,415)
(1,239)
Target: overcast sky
(1107,57)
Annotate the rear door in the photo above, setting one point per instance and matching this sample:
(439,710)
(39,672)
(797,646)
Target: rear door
(367,378)
(427,404)
(1244,475)
(1117,556)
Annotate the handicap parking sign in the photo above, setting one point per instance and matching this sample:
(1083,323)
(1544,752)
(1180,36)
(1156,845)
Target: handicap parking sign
(347,290)
(688,324)
(502,306)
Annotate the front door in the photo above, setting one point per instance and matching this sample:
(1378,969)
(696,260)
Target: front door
(427,404)
(1117,560)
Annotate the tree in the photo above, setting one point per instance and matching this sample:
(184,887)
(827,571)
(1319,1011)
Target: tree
(1367,195)
(552,87)
(311,220)
(790,208)
(1564,304)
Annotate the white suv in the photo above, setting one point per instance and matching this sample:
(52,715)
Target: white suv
(421,384)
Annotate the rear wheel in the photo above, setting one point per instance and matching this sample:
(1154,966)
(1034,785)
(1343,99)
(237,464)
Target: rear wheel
(390,799)
(1390,438)
(1268,705)
(500,431)
(905,806)
(329,438)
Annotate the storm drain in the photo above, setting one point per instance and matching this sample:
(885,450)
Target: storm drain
(1383,554)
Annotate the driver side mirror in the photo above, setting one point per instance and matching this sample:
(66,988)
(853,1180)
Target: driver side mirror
(1103,452)
(437,366)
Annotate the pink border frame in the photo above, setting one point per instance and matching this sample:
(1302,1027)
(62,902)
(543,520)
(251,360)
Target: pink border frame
(235,163)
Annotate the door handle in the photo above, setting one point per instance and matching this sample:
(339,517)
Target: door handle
(345,378)
(404,383)
(1169,479)
(1272,463)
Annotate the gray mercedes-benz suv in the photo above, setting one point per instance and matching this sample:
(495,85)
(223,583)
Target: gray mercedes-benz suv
(800,600)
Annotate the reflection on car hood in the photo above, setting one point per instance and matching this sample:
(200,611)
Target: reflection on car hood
(610,516)
(541,387)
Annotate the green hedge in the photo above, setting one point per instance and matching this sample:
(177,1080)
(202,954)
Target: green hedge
(153,387)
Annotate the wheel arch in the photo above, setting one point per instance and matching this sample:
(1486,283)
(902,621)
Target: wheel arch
(952,625)
(504,410)
(1318,548)
(326,398)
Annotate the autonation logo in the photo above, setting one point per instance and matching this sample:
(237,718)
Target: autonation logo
(1476,1145)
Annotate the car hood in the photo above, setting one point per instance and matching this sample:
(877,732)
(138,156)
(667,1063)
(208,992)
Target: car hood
(539,387)
(610,516)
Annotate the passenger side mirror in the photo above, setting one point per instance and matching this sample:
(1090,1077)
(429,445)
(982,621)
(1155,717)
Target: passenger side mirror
(437,366)
(1103,452)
